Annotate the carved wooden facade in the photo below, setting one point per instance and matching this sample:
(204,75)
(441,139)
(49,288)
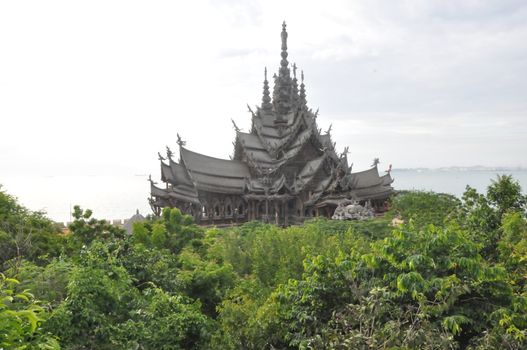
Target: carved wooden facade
(282,171)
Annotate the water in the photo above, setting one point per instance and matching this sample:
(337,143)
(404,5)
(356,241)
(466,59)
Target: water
(118,197)
(110,197)
(452,181)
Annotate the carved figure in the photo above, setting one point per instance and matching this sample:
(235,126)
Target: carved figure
(169,152)
(180,141)
(351,210)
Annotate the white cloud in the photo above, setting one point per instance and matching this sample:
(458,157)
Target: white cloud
(102,86)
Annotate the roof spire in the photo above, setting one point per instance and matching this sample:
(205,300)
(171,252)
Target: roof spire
(303,100)
(295,83)
(284,71)
(266,99)
(282,99)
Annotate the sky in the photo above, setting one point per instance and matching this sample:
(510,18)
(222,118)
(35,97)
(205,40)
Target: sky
(99,87)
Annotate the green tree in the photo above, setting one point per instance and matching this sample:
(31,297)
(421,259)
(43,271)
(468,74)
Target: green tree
(159,320)
(505,194)
(423,208)
(21,319)
(482,215)
(85,229)
(26,235)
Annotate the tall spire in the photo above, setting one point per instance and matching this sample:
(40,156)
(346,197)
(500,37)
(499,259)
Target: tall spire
(266,99)
(284,71)
(295,83)
(303,100)
(282,99)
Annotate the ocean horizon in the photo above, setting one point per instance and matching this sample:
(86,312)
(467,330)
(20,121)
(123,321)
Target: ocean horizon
(117,197)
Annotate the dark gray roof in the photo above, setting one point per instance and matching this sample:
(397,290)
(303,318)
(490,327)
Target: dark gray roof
(180,174)
(135,218)
(182,193)
(251,141)
(158,192)
(319,190)
(386,179)
(175,174)
(366,178)
(166,173)
(218,184)
(311,167)
(257,185)
(214,174)
(199,163)
(372,192)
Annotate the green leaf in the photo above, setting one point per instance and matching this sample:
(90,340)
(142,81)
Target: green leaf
(454,323)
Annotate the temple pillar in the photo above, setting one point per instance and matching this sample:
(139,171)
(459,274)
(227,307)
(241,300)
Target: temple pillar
(266,210)
(276,213)
(257,212)
(286,214)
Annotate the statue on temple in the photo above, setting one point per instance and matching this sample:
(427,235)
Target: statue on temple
(169,153)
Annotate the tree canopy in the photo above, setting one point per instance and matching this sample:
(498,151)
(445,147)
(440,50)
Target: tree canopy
(452,276)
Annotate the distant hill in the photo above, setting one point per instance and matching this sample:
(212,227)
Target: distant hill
(465,168)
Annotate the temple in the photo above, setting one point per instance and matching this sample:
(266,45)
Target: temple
(283,171)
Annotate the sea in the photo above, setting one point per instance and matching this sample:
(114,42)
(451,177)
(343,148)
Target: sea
(119,197)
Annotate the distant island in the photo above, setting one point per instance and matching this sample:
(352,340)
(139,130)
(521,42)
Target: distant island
(465,168)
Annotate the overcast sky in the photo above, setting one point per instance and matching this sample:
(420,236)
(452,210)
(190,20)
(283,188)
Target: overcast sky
(99,87)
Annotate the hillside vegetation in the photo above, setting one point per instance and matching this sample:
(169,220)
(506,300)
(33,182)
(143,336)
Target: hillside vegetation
(453,276)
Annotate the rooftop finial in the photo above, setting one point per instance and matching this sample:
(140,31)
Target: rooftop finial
(284,36)
(169,153)
(266,98)
(282,92)
(283,63)
(236,128)
(180,141)
(295,84)
(302,94)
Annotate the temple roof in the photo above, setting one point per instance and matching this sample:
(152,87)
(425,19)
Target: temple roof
(272,186)
(199,163)
(311,167)
(366,178)
(250,141)
(387,179)
(182,194)
(214,174)
(175,174)
(372,193)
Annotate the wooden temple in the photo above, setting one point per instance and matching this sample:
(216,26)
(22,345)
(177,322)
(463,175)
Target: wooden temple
(283,171)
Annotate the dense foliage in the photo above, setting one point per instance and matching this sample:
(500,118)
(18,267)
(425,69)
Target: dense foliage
(452,276)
